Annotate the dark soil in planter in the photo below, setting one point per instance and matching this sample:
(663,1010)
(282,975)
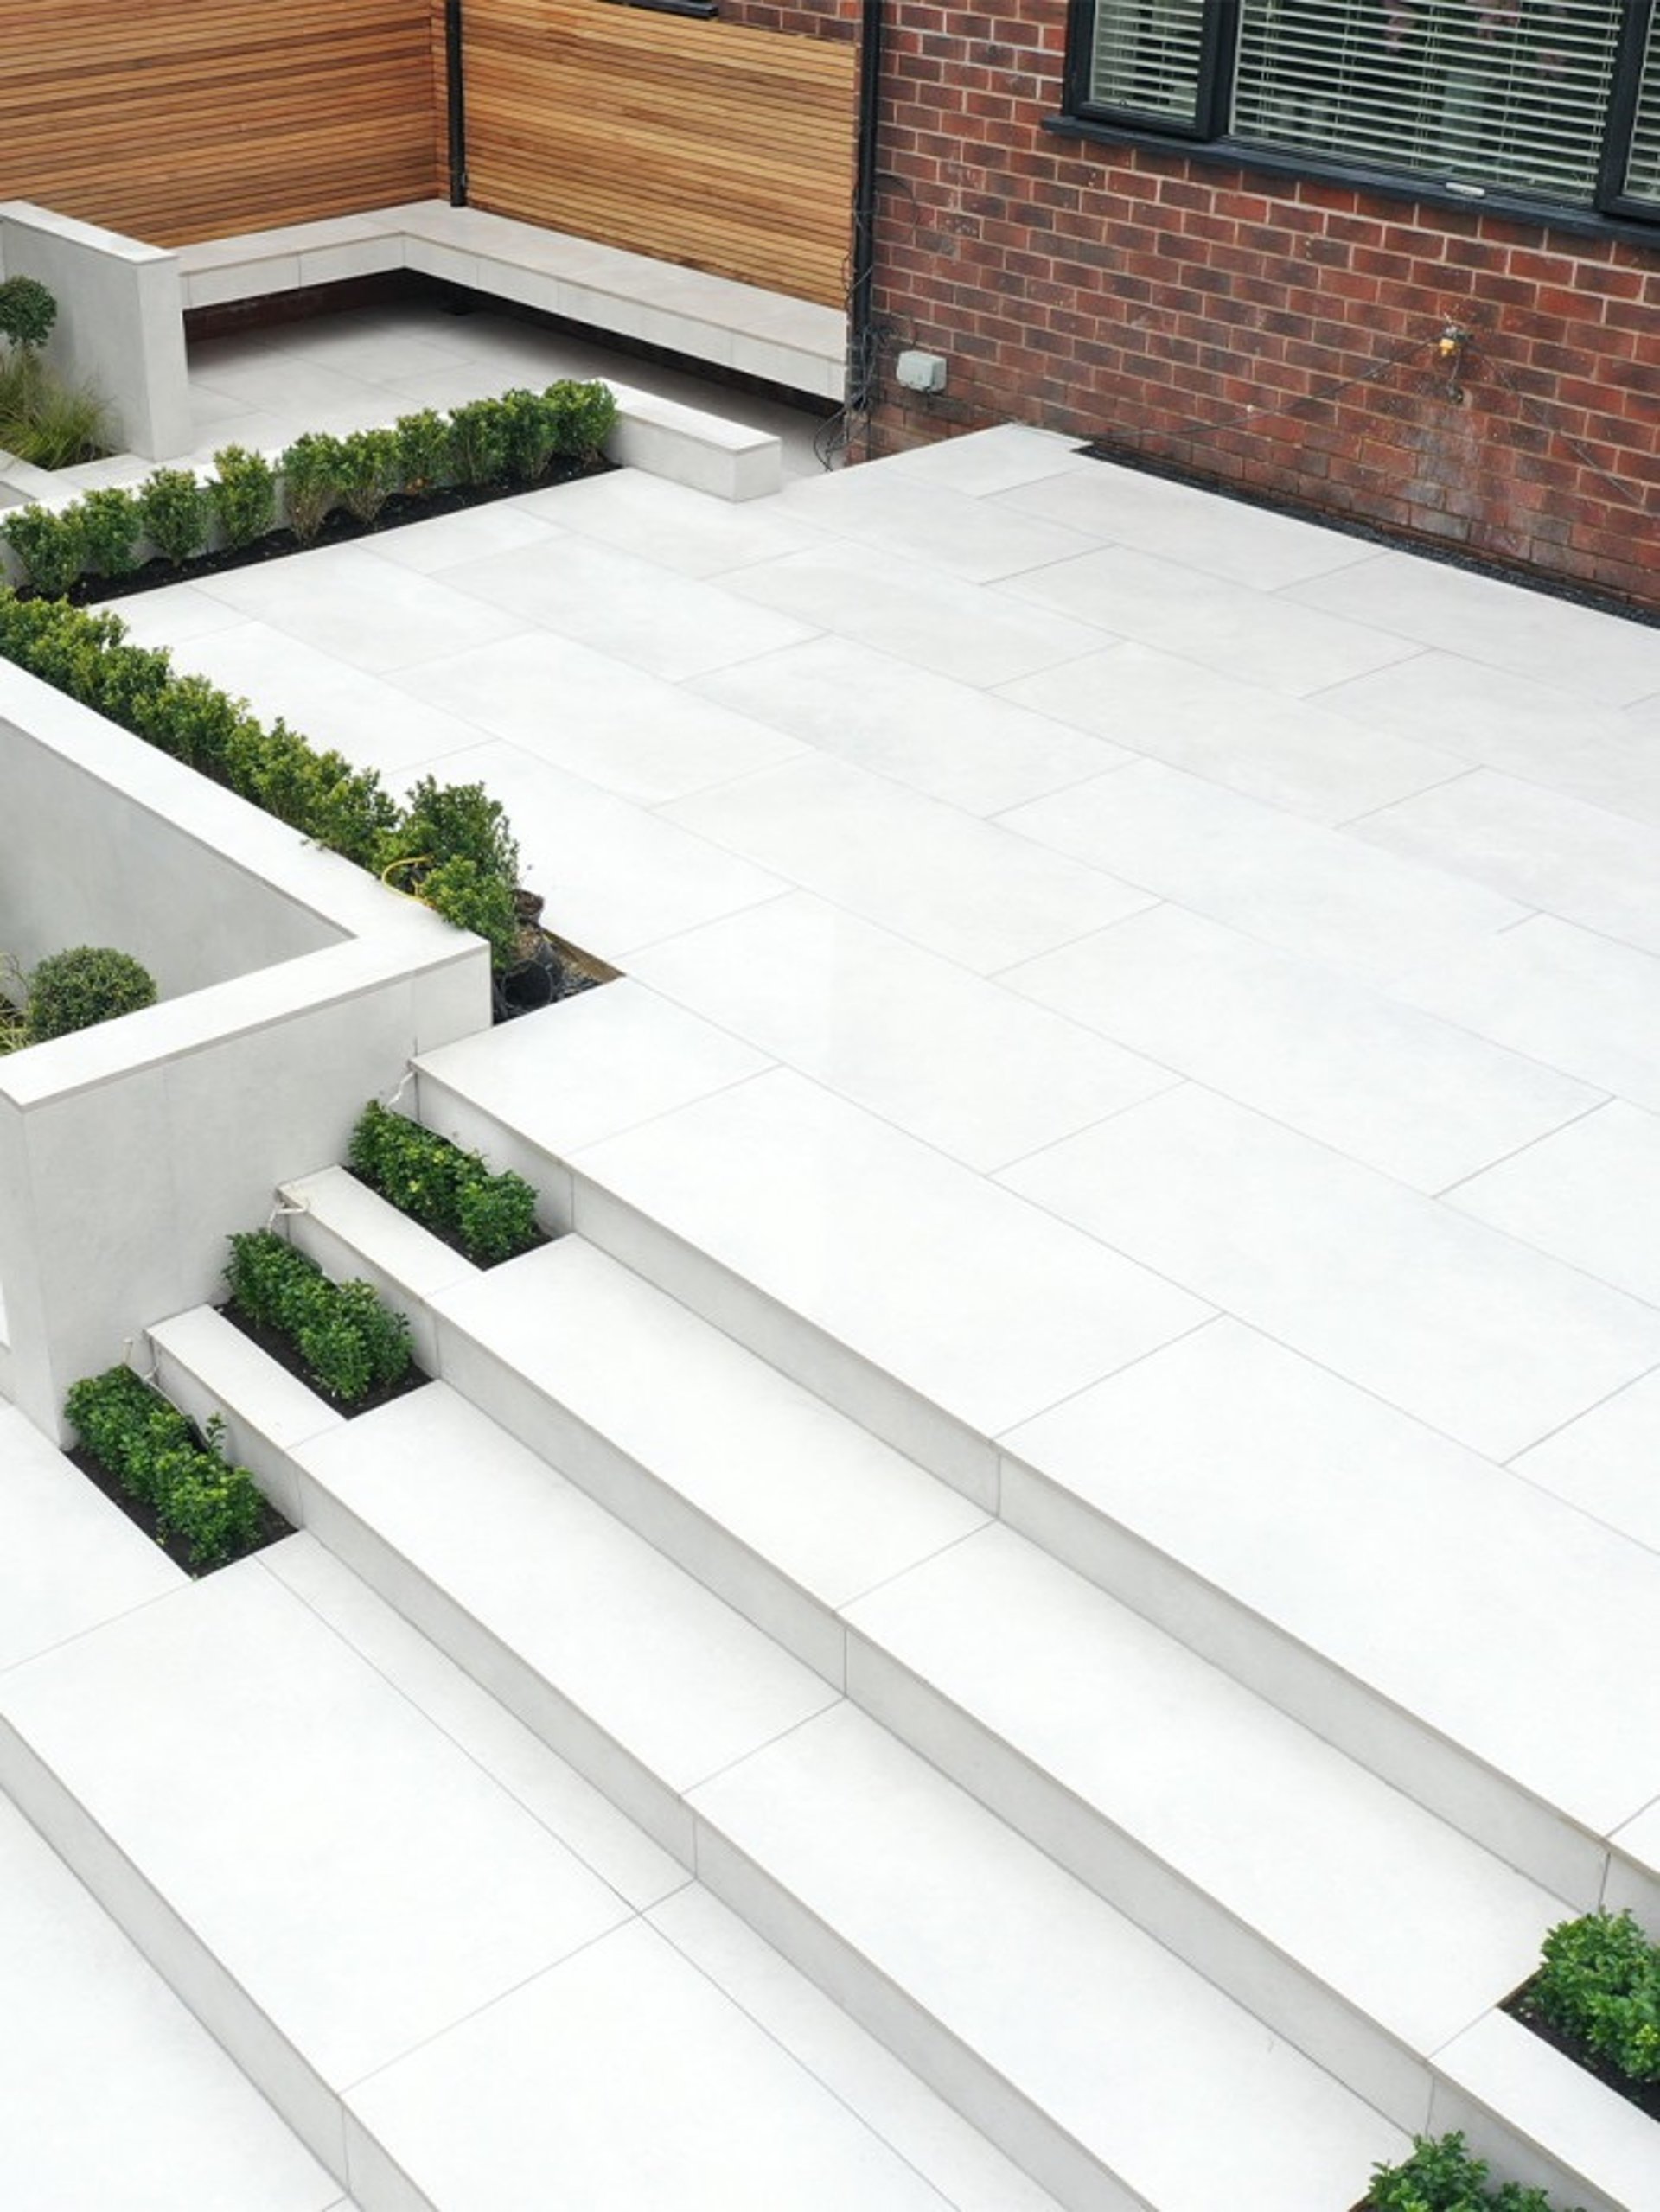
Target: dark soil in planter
(340,529)
(1645,2095)
(553,971)
(272,1527)
(448,1236)
(287,1356)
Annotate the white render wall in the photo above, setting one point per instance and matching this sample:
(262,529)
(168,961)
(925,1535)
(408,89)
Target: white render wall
(120,324)
(129,1152)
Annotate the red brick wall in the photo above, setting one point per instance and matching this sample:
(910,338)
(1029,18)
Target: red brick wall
(1158,301)
(799,18)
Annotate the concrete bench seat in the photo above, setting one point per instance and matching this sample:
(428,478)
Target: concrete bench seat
(766,335)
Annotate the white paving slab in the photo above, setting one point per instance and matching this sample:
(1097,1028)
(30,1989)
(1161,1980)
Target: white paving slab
(71,1559)
(1582,864)
(1255,634)
(953,530)
(1605,1462)
(1174,1791)
(1395,1088)
(1296,884)
(992,460)
(1406,1562)
(342,601)
(115,2094)
(1589,1194)
(999,754)
(1526,724)
(757,1487)
(1470,1331)
(632,1671)
(622,729)
(1292,753)
(679,527)
(1560,994)
(1008,1979)
(892,1027)
(962,887)
(631,2078)
(1528,633)
(861,1230)
(334,1921)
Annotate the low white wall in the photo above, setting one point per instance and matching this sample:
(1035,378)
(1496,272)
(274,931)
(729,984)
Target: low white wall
(130,1152)
(120,324)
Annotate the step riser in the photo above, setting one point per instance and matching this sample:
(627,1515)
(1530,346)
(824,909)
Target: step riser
(747,1583)
(1379,1736)
(983,2096)
(1138,1883)
(270,2062)
(564,1727)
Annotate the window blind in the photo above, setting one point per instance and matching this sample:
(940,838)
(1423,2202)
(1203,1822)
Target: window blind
(1511,93)
(1643,171)
(1146,58)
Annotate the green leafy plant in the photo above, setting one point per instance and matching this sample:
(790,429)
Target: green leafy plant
(313,473)
(458,821)
(585,415)
(478,441)
(423,449)
(88,985)
(48,543)
(28,312)
(530,433)
(469,898)
(109,520)
(492,1216)
(1600,1986)
(243,494)
(369,467)
(148,1445)
(349,1340)
(1442,2176)
(177,513)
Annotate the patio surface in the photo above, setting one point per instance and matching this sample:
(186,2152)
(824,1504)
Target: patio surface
(1176,987)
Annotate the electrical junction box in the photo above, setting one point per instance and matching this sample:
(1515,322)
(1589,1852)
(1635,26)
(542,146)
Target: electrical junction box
(920,372)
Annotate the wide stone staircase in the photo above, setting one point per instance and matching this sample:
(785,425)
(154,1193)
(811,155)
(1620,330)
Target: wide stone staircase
(689,1758)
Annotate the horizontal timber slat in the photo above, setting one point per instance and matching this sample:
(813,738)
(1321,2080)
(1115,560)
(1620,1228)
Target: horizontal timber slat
(700,141)
(174,121)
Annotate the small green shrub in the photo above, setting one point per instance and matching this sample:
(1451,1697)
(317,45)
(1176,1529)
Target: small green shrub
(530,434)
(467,898)
(149,1446)
(1442,2176)
(443,1187)
(349,1340)
(478,443)
(1600,1984)
(177,513)
(88,985)
(110,521)
(423,449)
(458,821)
(243,494)
(369,466)
(585,415)
(313,473)
(28,312)
(48,542)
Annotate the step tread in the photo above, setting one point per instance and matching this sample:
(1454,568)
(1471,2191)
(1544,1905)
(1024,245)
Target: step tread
(1082,2013)
(361,1217)
(833,1508)
(668,1670)
(1377,1899)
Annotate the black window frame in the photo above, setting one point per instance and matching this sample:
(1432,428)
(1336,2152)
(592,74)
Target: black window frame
(1611,209)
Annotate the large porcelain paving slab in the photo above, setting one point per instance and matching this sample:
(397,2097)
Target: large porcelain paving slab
(1005,1975)
(891,1028)
(1292,883)
(753,1455)
(1526,632)
(1589,1195)
(294,1836)
(991,461)
(1524,723)
(623,2078)
(1219,537)
(625,1643)
(999,753)
(952,531)
(1605,1462)
(1291,753)
(673,524)
(115,2095)
(71,1559)
(372,615)
(1325,1866)
(1440,1316)
(1409,1563)
(863,1231)
(964,887)
(623,730)
(1395,1088)
(1251,633)
(1562,995)
(1580,863)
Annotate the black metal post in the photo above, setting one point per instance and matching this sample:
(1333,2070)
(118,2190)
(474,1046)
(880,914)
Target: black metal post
(452,53)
